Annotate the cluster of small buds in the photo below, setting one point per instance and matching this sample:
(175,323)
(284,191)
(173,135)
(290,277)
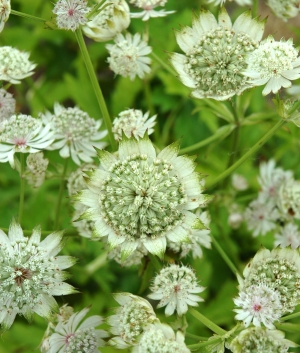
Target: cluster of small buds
(284,9)
(7,104)
(35,172)
(128,56)
(71,14)
(132,122)
(175,286)
(148,7)
(14,65)
(5,9)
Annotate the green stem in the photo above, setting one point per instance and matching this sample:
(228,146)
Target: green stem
(156,264)
(220,133)
(225,256)
(287,326)
(96,87)
(205,321)
(22,187)
(60,195)
(165,135)
(195,337)
(255,8)
(163,64)
(97,263)
(197,346)
(252,150)
(289,317)
(25,15)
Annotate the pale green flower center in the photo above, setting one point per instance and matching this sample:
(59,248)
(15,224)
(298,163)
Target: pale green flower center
(82,341)
(140,198)
(218,59)
(257,343)
(14,63)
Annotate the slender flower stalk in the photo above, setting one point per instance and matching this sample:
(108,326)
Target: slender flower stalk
(205,321)
(61,191)
(96,87)
(22,185)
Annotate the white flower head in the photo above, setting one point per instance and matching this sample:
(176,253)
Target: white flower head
(36,169)
(132,122)
(7,104)
(135,259)
(289,198)
(112,18)
(259,304)
(260,340)
(175,286)
(25,134)
(239,182)
(284,9)
(235,219)
(215,54)
(288,235)
(274,64)
(71,14)
(161,338)
(279,269)
(261,217)
(130,320)
(138,197)
(128,56)
(31,274)
(5,9)
(148,7)
(14,65)
(75,132)
(74,335)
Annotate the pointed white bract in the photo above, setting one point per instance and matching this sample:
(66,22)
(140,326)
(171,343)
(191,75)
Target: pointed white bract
(273,64)
(7,105)
(161,338)
(128,56)
(5,9)
(175,286)
(112,18)
(130,320)
(132,122)
(31,274)
(71,14)
(215,54)
(74,335)
(35,172)
(284,9)
(75,132)
(14,65)
(140,197)
(24,134)
(148,7)
(135,259)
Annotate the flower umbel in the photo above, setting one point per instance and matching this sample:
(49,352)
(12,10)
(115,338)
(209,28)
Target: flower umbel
(36,169)
(215,54)
(175,286)
(148,7)
(5,9)
(7,105)
(31,274)
(284,9)
(128,56)
(71,13)
(138,197)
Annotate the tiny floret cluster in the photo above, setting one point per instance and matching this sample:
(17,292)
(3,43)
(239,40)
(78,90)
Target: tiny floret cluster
(274,64)
(5,9)
(284,9)
(75,132)
(128,56)
(14,65)
(175,286)
(35,172)
(31,274)
(148,7)
(215,54)
(132,122)
(7,105)
(71,14)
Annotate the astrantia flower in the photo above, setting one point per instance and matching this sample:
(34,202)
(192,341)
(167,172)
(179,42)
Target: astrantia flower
(36,169)
(128,56)
(7,105)
(288,235)
(175,286)
(112,18)
(274,64)
(14,65)
(71,14)
(279,269)
(148,7)
(161,338)
(4,12)
(215,54)
(284,9)
(31,274)
(130,320)
(76,133)
(22,133)
(132,122)
(71,336)
(260,340)
(137,197)
(259,304)
(289,198)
